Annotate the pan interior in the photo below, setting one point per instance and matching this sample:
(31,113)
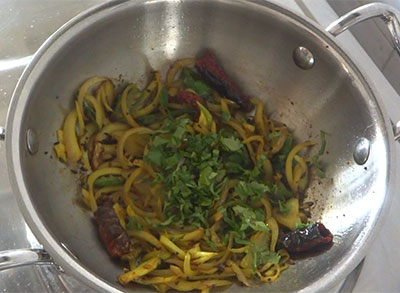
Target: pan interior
(254,44)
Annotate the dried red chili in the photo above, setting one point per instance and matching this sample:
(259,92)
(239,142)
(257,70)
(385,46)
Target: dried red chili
(307,238)
(213,74)
(114,237)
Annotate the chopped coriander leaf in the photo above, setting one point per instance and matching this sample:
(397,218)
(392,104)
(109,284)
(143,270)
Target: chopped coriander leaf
(303,225)
(244,219)
(280,192)
(190,81)
(250,190)
(231,144)
(154,156)
(262,256)
(134,224)
(226,116)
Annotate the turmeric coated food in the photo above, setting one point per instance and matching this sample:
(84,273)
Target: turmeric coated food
(191,184)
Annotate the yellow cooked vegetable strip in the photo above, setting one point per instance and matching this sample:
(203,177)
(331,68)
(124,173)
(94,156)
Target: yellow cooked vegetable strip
(208,284)
(291,218)
(259,117)
(205,118)
(195,235)
(186,265)
(176,67)
(177,271)
(224,106)
(98,108)
(143,269)
(146,236)
(269,172)
(96,174)
(202,256)
(109,129)
(71,141)
(121,143)
(85,160)
(172,247)
(260,140)
(271,274)
(81,123)
(161,254)
(152,106)
(106,92)
(209,271)
(59,148)
(88,200)
(289,161)
(124,107)
(300,173)
(273,226)
(268,208)
(84,90)
(120,214)
(239,274)
(105,190)
(157,280)
(185,285)
(242,249)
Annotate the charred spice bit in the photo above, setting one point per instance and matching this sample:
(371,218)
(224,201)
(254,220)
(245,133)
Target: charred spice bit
(307,238)
(213,74)
(113,235)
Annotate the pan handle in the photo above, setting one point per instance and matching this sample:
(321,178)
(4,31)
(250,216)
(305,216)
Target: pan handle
(387,13)
(21,257)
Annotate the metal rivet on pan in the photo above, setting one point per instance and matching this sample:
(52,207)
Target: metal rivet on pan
(303,58)
(2,133)
(361,151)
(59,269)
(32,141)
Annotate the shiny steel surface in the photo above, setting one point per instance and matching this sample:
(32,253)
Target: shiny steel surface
(387,13)
(303,58)
(349,200)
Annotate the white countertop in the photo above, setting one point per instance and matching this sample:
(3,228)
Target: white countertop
(24,26)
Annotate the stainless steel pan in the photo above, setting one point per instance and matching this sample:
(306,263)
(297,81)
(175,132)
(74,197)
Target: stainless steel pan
(292,64)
